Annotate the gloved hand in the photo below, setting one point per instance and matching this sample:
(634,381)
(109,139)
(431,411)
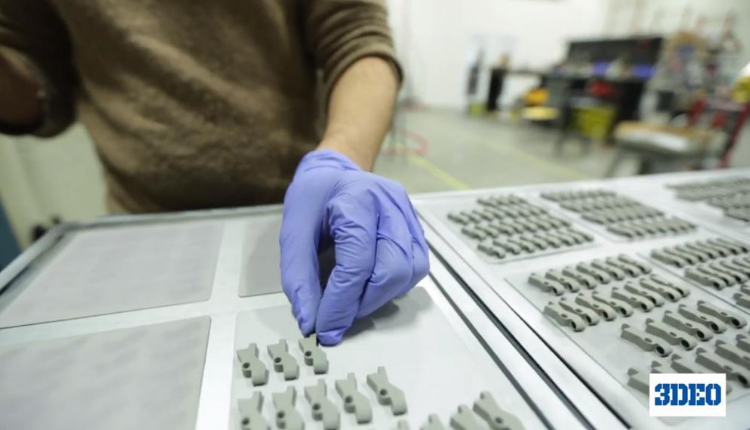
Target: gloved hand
(379,244)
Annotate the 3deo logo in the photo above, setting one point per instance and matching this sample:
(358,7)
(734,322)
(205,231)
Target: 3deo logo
(687,395)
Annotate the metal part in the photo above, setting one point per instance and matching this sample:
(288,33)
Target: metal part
(546,285)
(728,317)
(643,267)
(638,380)
(632,271)
(388,394)
(600,275)
(683,365)
(322,408)
(251,413)
(686,325)
(464,419)
(742,300)
(653,297)
(635,300)
(433,423)
(705,279)
(733,353)
(645,341)
(354,402)
(670,334)
(623,308)
(669,293)
(719,364)
(743,342)
(314,356)
(713,323)
(287,417)
(251,365)
(402,425)
(684,291)
(487,409)
(603,309)
(564,318)
(587,314)
(569,283)
(614,272)
(283,362)
(582,278)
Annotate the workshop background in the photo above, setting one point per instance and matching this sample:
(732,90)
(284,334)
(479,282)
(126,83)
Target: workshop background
(497,93)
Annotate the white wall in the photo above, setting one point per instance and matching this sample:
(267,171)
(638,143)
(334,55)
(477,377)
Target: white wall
(433,37)
(52,177)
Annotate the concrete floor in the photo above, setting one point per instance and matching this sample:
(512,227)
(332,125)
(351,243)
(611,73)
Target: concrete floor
(447,150)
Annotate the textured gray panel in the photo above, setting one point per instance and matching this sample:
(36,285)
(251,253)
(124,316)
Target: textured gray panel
(261,273)
(141,378)
(120,269)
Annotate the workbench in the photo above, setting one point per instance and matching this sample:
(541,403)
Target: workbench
(156,321)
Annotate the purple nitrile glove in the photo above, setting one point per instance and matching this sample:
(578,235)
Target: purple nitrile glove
(379,244)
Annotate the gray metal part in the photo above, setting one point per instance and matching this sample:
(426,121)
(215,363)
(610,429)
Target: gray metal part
(671,334)
(322,408)
(653,297)
(314,356)
(251,413)
(487,409)
(635,300)
(588,315)
(604,310)
(387,393)
(433,423)
(638,380)
(733,353)
(283,362)
(713,323)
(251,365)
(464,419)
(682,365)
(354,401)
(563,317)
(732,318)
(669,293)
(622,307)
(645,341)
(287,417)
(681,323)
(719,364)
(743,342)
(402,425)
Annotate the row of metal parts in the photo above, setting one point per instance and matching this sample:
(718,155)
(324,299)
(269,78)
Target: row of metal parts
(651,227)
(591,274)
(283,362)
(727,359)
(700,251)
(711,189)
(562,196)
(531,243)
(496,228)
(324,410)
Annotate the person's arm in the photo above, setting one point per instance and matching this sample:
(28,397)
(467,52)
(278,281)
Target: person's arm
(19,92)
(37,77)
(360,110)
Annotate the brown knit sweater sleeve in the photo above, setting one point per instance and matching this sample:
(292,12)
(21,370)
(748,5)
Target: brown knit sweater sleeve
(33,31)
(340,32)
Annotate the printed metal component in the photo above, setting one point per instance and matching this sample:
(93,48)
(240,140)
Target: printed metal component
(728,317)
(686,325)
(388,394)
(603,309)
(464,419)
(718,249)
(582,278)
(661,281)
(645,341)
(509,246)
(688,258)
(433,423)
(473,233)
(708,252)
(731,265)
(402,425)
(669,293)
(496,418)
(623,308)
(743,342)
(314,356)
(653,297)
(491,250)
(713,323)
(287,417)
(600,275)
(643,267)
(614,272)
(670,334)
(458,218)
(742,300)
(570,284)
(630,270)
(322,409)
(283,362)
(718,364)
(635,300)
(733,353)
(354,402)
(728,280)
(538,242)
(669,259)
(251,365)
(735,247)
(737,276)
(698,253)
(683,365)
(658,367)
(742,262)
(251,415)
(564,318)
(638,380)
(546,285)
(587,314)
(704,279)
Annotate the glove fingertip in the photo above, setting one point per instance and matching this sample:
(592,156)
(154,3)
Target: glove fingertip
(331,337)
